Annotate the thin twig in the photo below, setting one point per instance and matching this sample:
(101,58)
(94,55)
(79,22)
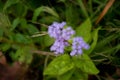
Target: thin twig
(43,53)
(99,60)
(46,61)
(39,34)
(108,5)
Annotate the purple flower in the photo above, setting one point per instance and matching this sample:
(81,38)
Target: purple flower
(67,33)
(77,46)
(62,35)
(59,45)
(55,30)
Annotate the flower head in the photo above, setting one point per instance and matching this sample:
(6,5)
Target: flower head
(77,46)
(59,45)
(55,30)
(62,35)
(67,33)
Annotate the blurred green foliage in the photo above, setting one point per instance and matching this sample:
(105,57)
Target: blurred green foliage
(23,27)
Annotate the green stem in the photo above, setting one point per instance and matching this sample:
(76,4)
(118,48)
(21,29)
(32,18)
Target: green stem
(46,60)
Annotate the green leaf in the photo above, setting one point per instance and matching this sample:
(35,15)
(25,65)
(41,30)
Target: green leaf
(84,30)
(33,4)
(5,46)
(51,11)
(79,75)
(20,38)
(85,64)
(74,74)
(21,21)
(48,19)
(47,40)
(67,75)
(37,13)
(9,3)
(22,54)
(15,23)
(59,65)
(44,9)
(24,23)
(19,9)
(4,21)
(95,38)
(32,29)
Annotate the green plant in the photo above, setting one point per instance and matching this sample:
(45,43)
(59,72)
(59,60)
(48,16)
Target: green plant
(23,33)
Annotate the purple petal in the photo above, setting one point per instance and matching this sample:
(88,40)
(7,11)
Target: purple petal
(80,51)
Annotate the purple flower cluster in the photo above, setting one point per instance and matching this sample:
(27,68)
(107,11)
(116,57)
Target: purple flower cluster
(59,46)
(67,33)
(55,30)
(62,35)
(77,46)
